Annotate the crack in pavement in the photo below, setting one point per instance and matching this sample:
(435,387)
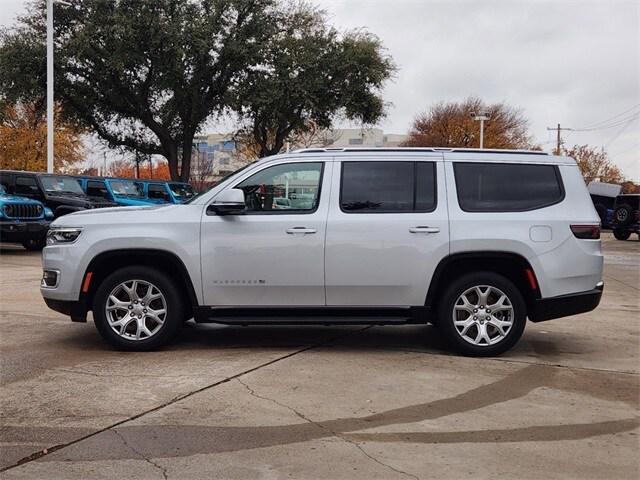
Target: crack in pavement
(620,281)
(39,454)
(325,428)
(162,469)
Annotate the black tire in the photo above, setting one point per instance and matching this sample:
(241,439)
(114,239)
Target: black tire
(621,234)
(623,215)
(34,244)
(446,312)
(175,311)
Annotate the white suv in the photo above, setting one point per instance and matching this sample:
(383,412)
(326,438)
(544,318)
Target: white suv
(471,241)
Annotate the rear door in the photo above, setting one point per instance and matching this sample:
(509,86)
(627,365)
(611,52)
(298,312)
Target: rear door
(387,229)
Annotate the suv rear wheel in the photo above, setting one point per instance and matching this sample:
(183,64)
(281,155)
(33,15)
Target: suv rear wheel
(138,308)
(482,314)
(623,215)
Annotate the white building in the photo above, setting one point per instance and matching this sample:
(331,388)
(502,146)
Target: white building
(217,154)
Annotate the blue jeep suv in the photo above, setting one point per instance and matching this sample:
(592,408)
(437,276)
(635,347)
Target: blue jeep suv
(23,220)
(123,191)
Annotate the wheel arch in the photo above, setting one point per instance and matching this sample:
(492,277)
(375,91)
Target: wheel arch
(511,265)
(109,261)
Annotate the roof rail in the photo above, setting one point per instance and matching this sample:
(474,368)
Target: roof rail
(416,149)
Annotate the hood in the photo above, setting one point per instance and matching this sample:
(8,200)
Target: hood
(117,210)
(15,199)
(134,202)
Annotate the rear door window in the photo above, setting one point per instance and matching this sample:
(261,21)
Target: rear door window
(506,187)
(158,192)
(97,189)
(387,187)
(27,186)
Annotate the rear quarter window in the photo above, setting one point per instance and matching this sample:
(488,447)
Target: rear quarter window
(507,187)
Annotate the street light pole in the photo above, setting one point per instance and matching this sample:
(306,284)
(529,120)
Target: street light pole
(481,117)
(49,86)
(50,119)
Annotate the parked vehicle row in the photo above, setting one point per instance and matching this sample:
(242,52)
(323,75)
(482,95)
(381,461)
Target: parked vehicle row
(474,242)
(130,192)
(30,200)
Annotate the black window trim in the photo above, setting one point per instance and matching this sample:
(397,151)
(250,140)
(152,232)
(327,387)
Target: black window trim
(287,211)
(556,171)
(415,162)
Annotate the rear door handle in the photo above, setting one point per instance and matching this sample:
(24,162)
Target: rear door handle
(302,230)
(424,229)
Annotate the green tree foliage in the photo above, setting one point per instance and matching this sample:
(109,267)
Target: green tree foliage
(143,74)
(309,75)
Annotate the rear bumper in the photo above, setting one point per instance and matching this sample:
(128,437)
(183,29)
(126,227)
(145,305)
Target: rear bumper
(21,231)
(565,305)
(77,310)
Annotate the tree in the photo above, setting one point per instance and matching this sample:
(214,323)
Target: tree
(452,125)
(629,186)
(126,168)
(23,139)
(144,74)
(310,74)
(594,164)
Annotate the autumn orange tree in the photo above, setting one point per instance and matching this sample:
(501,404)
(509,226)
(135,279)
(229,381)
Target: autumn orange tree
(23,139)
(594,164)
(127,169)
(451,124)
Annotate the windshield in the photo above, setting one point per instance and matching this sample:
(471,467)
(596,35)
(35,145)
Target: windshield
(59,184)
(126,188)
(183,191)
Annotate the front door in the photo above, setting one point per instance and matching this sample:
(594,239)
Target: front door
(387,228)
(273,253)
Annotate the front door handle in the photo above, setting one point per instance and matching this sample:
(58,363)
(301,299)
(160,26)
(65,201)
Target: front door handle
(302,230)
(424,229)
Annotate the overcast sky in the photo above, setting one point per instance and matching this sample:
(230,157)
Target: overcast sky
(576,63)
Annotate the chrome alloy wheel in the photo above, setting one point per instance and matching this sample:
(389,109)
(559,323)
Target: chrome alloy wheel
(136,309)
(483,315)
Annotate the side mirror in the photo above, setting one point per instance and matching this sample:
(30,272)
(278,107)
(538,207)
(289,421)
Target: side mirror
(228,202)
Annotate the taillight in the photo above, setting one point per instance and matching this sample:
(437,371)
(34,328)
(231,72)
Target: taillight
(588,232)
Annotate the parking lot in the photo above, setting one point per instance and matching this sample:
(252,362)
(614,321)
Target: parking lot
(320,402)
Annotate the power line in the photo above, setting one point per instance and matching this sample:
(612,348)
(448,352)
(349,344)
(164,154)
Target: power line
(617,123)
(617,135)
(615,118)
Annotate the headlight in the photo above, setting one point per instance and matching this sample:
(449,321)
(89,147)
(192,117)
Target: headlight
(48,213)
(60,235)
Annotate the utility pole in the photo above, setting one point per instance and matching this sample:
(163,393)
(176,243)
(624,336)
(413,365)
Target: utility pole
(137,165)
(481,117)
(558,129)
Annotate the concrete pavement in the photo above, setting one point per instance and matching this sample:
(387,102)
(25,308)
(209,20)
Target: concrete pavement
(320,402)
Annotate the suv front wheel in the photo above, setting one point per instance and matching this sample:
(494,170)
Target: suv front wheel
(482,314)
(138,308)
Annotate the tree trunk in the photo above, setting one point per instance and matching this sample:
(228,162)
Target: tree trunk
(171,153)
(187,148)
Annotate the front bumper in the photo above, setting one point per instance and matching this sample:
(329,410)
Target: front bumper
(20,231)
(77,309)
(565,305)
